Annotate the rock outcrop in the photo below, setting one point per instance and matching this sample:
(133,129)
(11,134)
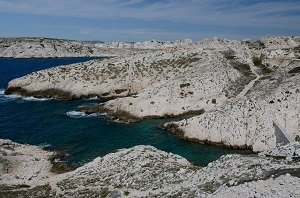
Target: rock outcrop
(152,44)
(246,91)
(267,114)
(259,120)
(46,47)
(23,164)
(144,171)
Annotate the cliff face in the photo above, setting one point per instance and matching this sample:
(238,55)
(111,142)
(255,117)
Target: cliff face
(268,114)
(247,91)
(251,121)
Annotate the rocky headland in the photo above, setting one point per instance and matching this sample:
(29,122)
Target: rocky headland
(242,94)
(144,171)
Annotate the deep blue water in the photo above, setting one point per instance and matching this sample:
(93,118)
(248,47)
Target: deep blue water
(45,122)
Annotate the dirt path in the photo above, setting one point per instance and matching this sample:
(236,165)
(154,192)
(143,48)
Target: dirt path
(250,85)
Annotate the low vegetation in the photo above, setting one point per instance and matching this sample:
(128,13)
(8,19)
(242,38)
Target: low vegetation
(258,63)
(229,54)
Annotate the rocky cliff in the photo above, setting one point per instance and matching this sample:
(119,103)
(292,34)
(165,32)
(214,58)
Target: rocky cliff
(241,93)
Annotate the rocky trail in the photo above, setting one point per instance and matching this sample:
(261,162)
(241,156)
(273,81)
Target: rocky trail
(251,83)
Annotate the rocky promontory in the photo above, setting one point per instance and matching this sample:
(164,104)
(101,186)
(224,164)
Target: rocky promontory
(242,94)
(144,171)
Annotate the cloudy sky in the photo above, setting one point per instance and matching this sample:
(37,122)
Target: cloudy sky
(132,20)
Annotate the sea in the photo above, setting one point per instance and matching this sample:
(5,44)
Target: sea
(54,125)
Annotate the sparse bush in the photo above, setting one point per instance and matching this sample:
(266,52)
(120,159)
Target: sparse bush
(267,70)
(243,68)
(184,85)
(257,61)
(229,54)
(297,49)
(261,45)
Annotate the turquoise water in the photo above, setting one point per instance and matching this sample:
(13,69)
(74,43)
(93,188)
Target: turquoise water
(45,122)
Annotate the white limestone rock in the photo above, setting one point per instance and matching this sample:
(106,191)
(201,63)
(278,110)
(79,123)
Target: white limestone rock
(45,48)
(269,114)
(151,44)
(198,80)
(132,74)
(245,105)
(290,151)
(284,186)
(144,171)
(23,164)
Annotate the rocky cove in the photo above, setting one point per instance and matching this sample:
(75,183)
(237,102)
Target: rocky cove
(241,94)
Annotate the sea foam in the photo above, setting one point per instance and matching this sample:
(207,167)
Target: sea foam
(7,98)
(77,114)
(44,145)
(35,99)
(4,97)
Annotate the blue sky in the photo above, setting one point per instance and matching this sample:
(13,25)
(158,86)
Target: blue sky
(133,20)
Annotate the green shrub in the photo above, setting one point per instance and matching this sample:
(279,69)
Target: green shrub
(267,70)
(229,54)
(257,61)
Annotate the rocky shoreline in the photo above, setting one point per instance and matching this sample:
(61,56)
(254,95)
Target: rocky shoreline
(144,171)
(240,94)
(247,90)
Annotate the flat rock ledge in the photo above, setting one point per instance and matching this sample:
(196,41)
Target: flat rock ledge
(125,116)
(22,164)
(144,171)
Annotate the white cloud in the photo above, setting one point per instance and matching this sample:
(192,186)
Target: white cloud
(215,12)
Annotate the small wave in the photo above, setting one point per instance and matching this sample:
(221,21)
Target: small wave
(4,97)
(35,99)
(93,98)
(78,114)
(120,121)
(45,145)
